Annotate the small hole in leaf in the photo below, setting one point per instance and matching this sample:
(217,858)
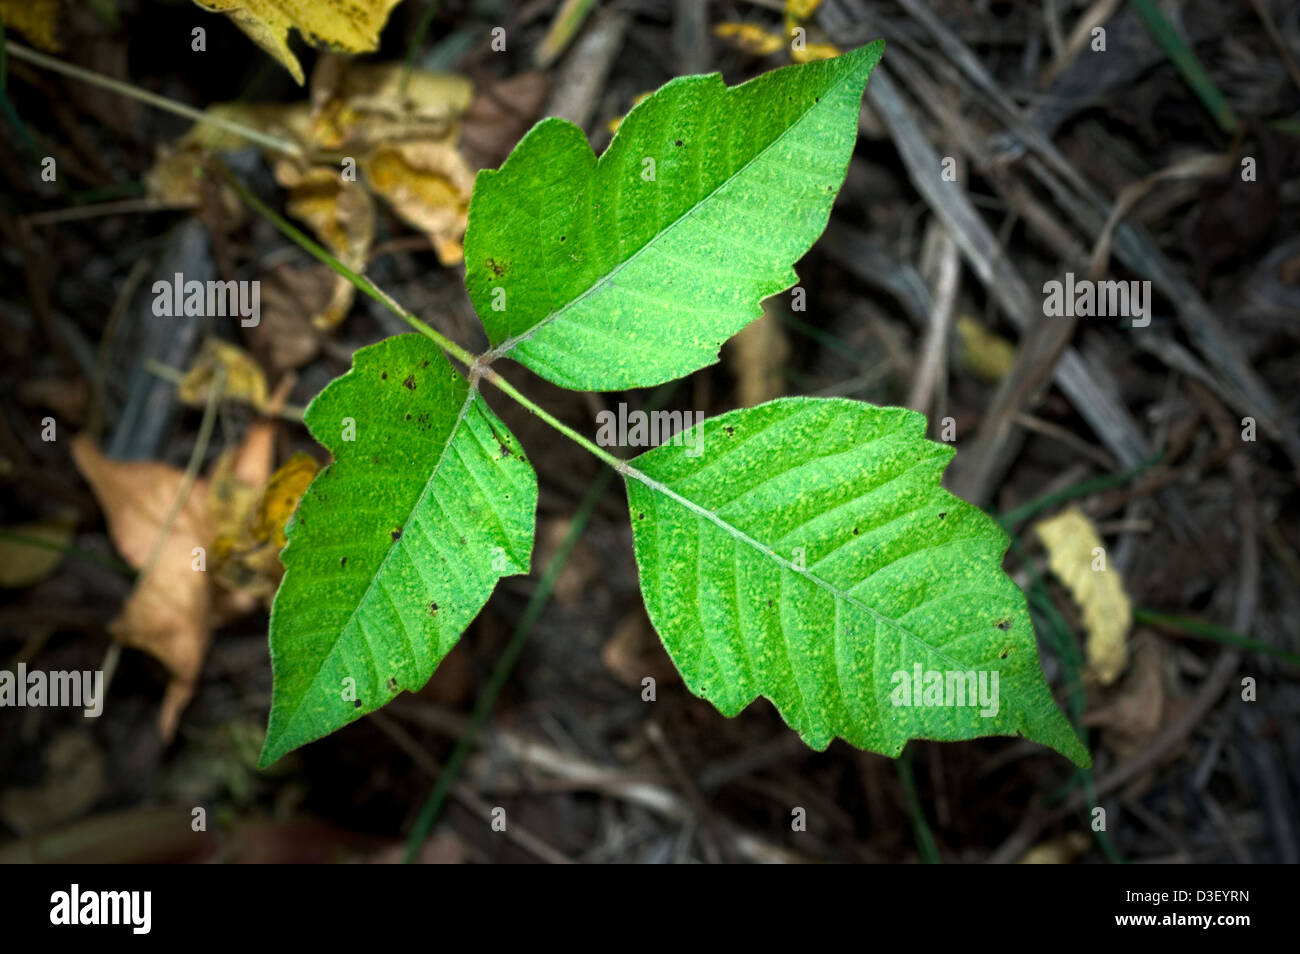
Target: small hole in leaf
(383,376)
(561,238)
(343,561)
(409,383)
(729,429)
(397,534)
(640,516)
(1003,623)
(1004,654)
(677,142)
(942,515)
(408,417)
(855,531)
(433,608)
(356,704)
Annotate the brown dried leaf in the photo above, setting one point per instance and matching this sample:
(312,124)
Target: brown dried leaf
(166,614)
(428,184)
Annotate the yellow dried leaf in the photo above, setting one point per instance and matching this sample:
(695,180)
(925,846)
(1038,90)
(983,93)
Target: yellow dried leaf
(246,554)
(342,214)
(801,9)
(1077,557)
(1057,851)
(808,52)
(23,564)
(428,184)
(364,106)
(34,19)
(987,354)
(244,380)
(351,25)
(280,500)
(750,37)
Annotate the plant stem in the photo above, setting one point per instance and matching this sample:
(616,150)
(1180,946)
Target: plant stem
(153,99)
(1081,489)
(1220,634)
(320,253)
(477,369)
(510,390)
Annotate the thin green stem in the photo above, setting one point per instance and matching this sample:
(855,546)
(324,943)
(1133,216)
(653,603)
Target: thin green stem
(477,369)
(1081,489)
(511,391)
(505,665)
(1220,634)
(153,99)
(925,843)
(319,252)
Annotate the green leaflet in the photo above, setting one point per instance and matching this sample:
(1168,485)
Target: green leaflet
(631,270)
(396,545)
(896,573)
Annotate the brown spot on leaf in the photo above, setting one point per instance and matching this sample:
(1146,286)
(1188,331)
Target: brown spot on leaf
(409,383)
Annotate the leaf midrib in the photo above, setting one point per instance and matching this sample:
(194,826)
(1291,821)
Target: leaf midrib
(511,342)
(470,397)
(738,534)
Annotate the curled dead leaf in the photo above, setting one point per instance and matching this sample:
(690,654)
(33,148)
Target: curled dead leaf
(359,106)
(342,214)
(166,614)
(244,380)
(750,38)
(1077,557)
(428,184)
(351,25)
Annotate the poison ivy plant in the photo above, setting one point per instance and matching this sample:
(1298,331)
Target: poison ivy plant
(801,550)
